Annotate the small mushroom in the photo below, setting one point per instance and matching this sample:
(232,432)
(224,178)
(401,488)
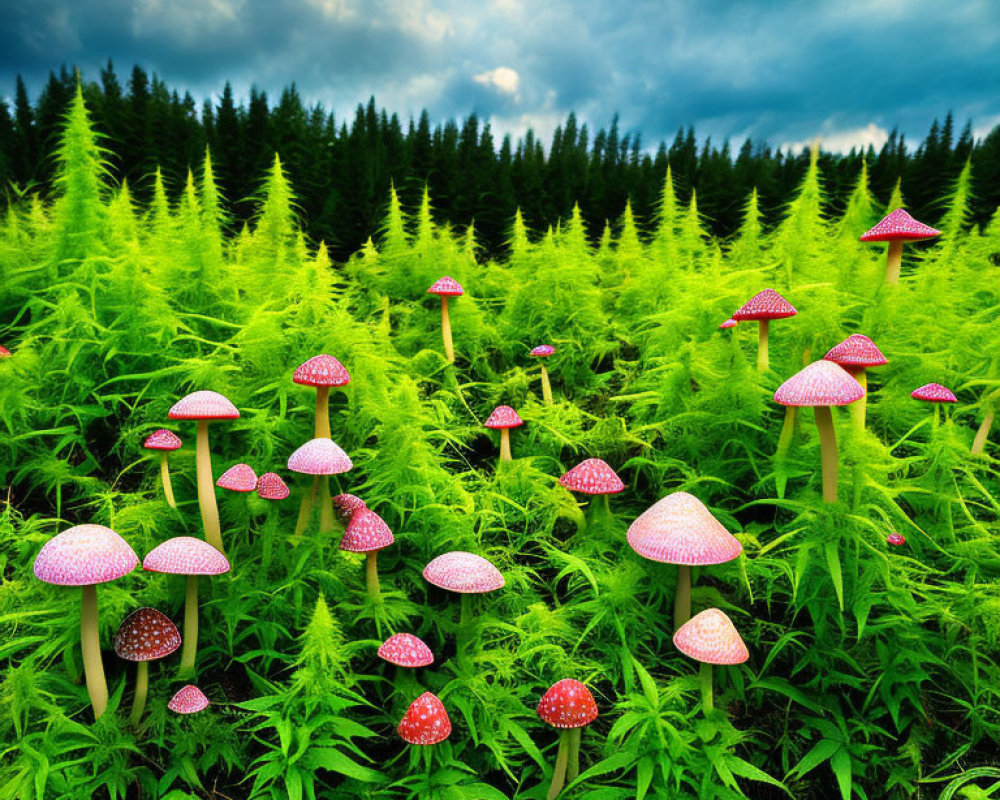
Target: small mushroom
(444,288)
(425,721)
(318,457)
(238,478)
(896,539)
(711,638)
(464,573)
(164,441)
(593,477)
(898,228)
(4,352)
(406,650)
(762,308)
(270,486)
(503,419)
(188,700)
(544,351)
(569,706)
(145,635)
(937,394)
(729,323)
(857,354)
(346,504)
(367,533)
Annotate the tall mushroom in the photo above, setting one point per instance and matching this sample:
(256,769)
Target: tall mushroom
(318,457)
(898,228)
(467,574)
(821,385)
(204,407)
(857,354)
(544,351)
(367,533)
(165,441)
(503,419)
(762,308)
(711,638)
(188,700)
(85,556)
(185,555)
(145,635)
(444,288)
(934,393)
(679,529)
(570,706)
(425,722)
(593,477)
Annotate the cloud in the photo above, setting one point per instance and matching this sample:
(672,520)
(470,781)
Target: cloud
(843,141)
(504,79)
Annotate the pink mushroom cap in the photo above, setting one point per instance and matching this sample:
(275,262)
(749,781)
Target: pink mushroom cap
(185,555)
(567,704)
(366,532)
(711,637)
(466,573)
(446,287)
(592,476)
(146,635)
(347,504)
(425,721)
(406,650)
(729,323)
(271,487)
(679,529)
(934,393)
(188,700)
(319,457)
(503,417)
(162,440)
(767,304)
(542,351)
(238,478)
(822,383)
(85,555)
(899,226)
(856,351)
(896,539)
(203,405)
(4,352)
(321,370)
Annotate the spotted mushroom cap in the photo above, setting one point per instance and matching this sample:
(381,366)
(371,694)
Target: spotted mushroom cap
(679,529)
(85,555)
(4,352)
(711,637)
(321,370)
(896,539)
(366,532)
(466,573)
(567,704)
(185,555)
(203,405)
(346,504)
(271,487)
(503,417)
(767,304)
(899,226)
(238,478)
(446,287)
(146,635)
(406,650)
(425,721)
(162,440)
(592,476)
(822,383)
(856,351)
(188,700)
(729,323)
(934,393)
(542,351)
(320,457)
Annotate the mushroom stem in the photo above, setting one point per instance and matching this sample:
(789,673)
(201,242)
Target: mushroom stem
(371,575)
(705,678)
(322,426)
(893,261)
(505,444)
(206,489)
(305,511)
(858,408)
(141,687)
(828,452)
(573,756)
(168,489)
(546,386)
(984,429)
(190,648)
(325,504)
(449,349)
(787,431)
(682,597)
(762,361)
(90,644)
(559,773)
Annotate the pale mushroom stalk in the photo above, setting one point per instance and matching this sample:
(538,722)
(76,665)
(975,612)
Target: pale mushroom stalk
(787,432)
(206,489)
(305,510)
(168,489)
(705,678)
(562,760)
(893,261)
(859,408)
(90,644)
(762,357)
(682,598)
(828,452)
(371,575)
(546,386)
(322,430)
(141,689)
(984,430)
(190,646)
(449,348)
(505,445)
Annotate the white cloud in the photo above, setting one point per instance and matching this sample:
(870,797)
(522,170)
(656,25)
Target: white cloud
(504,79)
(842,141)
(985,126)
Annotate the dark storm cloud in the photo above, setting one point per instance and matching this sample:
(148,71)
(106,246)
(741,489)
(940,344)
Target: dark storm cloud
(846,70)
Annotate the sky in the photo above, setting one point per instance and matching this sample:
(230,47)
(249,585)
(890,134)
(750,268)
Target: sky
(785,71)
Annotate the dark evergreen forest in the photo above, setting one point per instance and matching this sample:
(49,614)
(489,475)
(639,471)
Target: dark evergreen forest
(342,168)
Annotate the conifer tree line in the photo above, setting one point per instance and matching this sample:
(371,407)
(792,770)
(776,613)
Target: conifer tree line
(342,169)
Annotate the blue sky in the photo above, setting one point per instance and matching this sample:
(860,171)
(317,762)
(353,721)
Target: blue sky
(789,71)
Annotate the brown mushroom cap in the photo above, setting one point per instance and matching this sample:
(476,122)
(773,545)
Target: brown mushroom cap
(146,635)
(822,383)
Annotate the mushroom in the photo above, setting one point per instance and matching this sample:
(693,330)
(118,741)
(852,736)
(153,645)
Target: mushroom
(503,419)
(188,700)
(164,441)
(934,393)
(729,323)
(711,638)
(896,539)
(85,556)
(898,228)
(4,352)
(444,288)
(204,407)
(679,529)
(238,478)
(406,650)
(346,504)
(822,384)
(762,308)
(593,477)
(185,555)
(367,533)
(544,351)
(857,354)
(425,721)
(464,573)
(318,457)
(570,706)
(145,635)
(271,487)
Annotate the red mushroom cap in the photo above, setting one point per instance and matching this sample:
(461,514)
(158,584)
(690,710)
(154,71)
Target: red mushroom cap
(767,304)
(271,487)
(822,383)
(85,555)
(679,529)
(162,440)
(321,370)
(542,351)
(185,555)
(319,457)
(366,532)
(146,635)
(567,704)
(188,700)
(711,637)
(238,478)
(856,351)
(503,417)
(446,287)
(466,573)
(592,476)
(406,650)
(425,721)
(347,504)
(4,352)
(203,405)
(899,226)
(729,323)
(934,393)
(896,539)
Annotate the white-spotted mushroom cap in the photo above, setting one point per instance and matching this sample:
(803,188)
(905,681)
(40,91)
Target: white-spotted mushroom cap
(203,405)
(188,700)
(503,417)
(238,478)
(406,650)
(711,637)
(466,573)
(162,440)
(346,504)
(542,351)
(319,457)
(679,529)
(592,476)
(729,323)
(271,487)
(366,532)
(567,704)
(321,370)
(822,383)
(425,721)
(446,287)
(85,555)
(934,393)
(767,304)
(185,555)
(899,226)
(856,351)
(146,635)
